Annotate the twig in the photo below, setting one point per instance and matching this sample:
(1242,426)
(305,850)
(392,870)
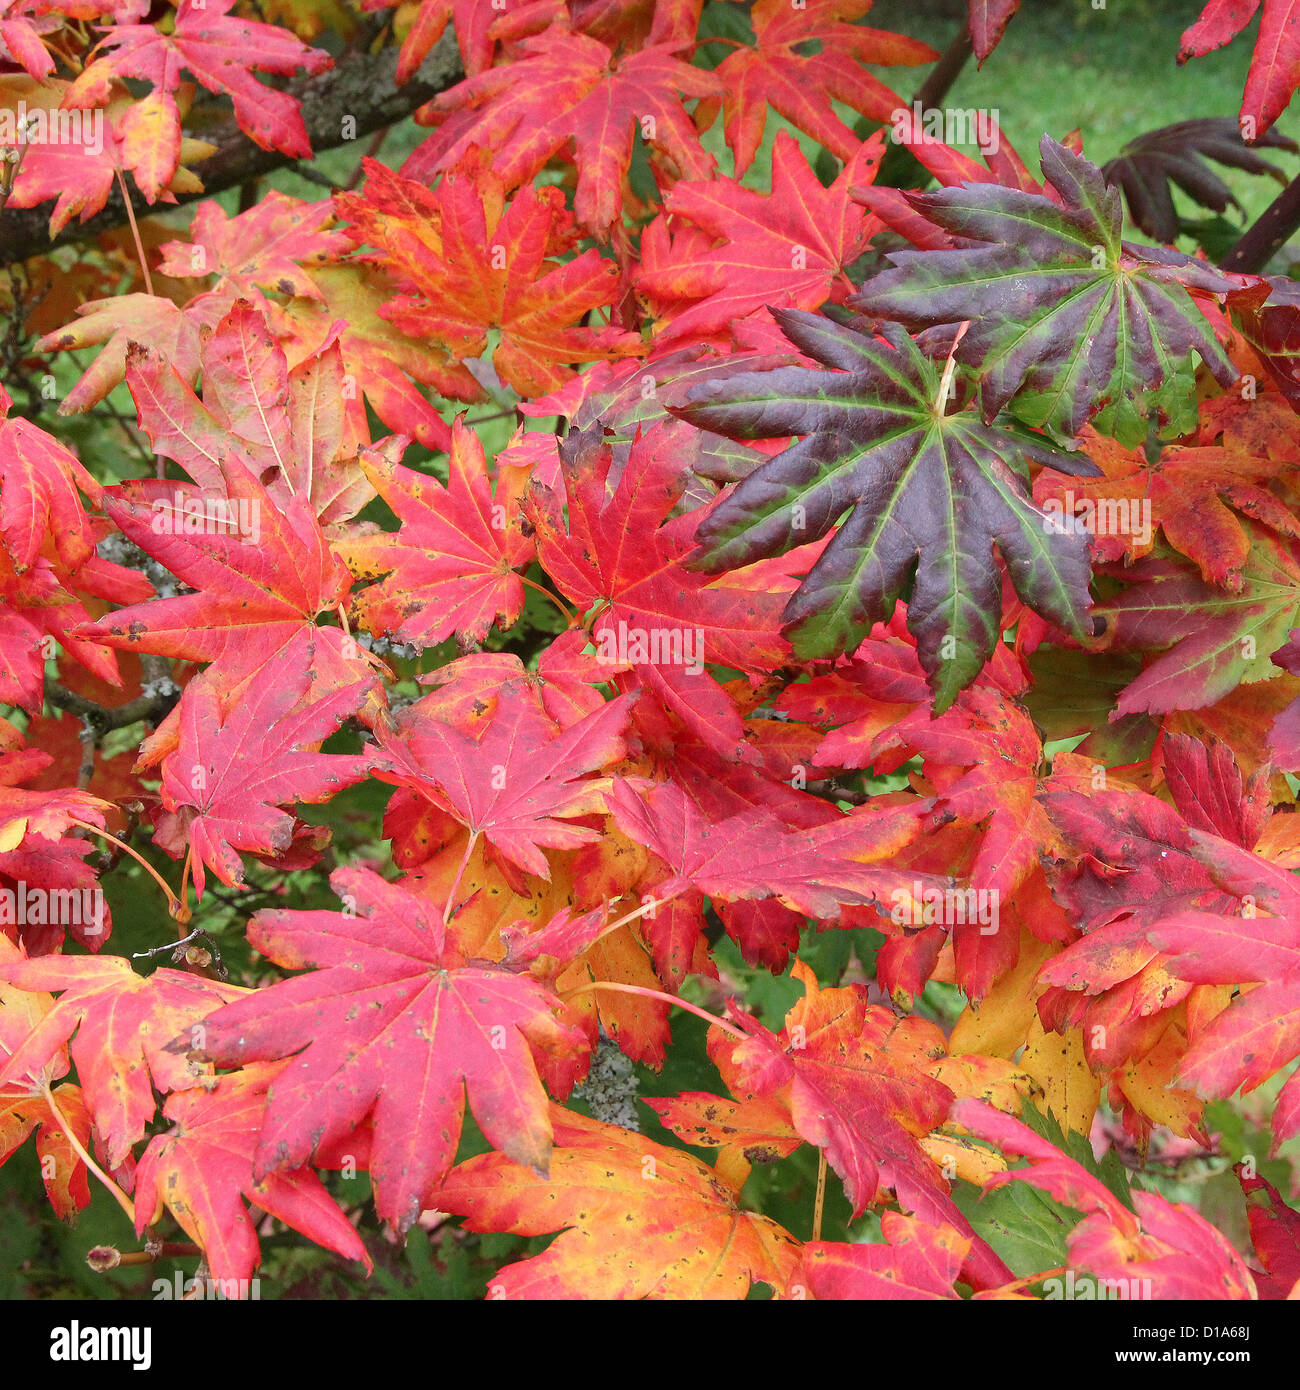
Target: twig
(1267,234)
(360,86)
(149,707)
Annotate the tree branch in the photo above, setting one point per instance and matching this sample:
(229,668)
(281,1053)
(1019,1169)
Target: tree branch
(900,168)
(159,695)
(360,86)
(1267,234)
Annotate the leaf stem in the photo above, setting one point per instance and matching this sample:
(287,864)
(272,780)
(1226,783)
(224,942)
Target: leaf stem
(949,367)
(182,913)
(1033,1278)
(659,994)
(632,916)
(139,247)
(558,602)
(460,874)
(174,904)
(819,1205)
(78,1148)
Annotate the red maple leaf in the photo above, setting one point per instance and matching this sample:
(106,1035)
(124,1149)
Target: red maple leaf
(44,602)
(1275,1234)
(470,19)
(202,1169)
(290,429)
(1274,65)
(451,568)
(27,1107)
(21,35)
(252,598)
(569,87)
(223,53)
(1170,1248)
(225,782)
(917,1261)
(608,539)
(788,249)
(122,1024)
(1258,1034)
(118,323)
(516,783)
(37,853)
(39,494)
(265,248)
(749,857)
(394,1024)
(859,1088)
(1185,493)
(468,263)
(800,85)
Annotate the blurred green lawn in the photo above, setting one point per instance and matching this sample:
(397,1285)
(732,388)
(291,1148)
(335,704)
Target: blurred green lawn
(1112,73)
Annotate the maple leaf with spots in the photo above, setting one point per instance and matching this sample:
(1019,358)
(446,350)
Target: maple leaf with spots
(468,263)
(201,1170)
(120,1024)
(452,566)
(392,1023)
(637,1220)
(224,784)
(517,783)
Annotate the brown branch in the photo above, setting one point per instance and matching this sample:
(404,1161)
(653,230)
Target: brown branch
(939,80)
(153,705)
(359,88)
(900,168)
(1267,234)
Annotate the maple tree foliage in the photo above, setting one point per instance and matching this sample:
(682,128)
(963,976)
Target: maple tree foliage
(683,676)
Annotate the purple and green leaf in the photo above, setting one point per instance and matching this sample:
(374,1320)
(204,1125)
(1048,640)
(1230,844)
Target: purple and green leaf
(922,498)
(1068,323)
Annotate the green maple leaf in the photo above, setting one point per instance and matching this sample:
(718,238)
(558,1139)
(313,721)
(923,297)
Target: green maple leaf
(921,493)
(1067,321)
